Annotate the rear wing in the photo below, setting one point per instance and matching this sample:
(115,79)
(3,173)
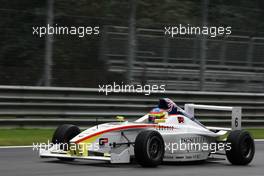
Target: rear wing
(236,112)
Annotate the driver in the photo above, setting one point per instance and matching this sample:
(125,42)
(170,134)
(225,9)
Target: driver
(157,114)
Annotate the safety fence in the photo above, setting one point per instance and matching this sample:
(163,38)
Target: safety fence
(49,106)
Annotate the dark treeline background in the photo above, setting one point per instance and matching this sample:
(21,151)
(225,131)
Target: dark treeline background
(77,61)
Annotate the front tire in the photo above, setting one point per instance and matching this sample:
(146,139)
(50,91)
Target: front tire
(63,134)
(242,147)
(149,148)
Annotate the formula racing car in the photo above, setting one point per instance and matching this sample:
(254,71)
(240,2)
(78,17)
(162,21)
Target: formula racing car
(166,133)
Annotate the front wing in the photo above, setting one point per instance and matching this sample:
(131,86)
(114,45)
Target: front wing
(52,152)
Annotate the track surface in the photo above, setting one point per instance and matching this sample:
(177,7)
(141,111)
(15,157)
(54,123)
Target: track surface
(24,161)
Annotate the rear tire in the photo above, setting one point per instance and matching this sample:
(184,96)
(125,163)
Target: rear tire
(149,148)
(63,134)
(242,147)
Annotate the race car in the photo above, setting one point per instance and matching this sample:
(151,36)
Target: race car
(166,133)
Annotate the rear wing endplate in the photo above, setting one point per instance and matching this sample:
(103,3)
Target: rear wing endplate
(236,112)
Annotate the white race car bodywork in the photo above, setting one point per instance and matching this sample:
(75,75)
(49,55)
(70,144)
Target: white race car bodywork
(114,142)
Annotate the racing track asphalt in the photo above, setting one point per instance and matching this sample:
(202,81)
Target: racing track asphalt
(24,161)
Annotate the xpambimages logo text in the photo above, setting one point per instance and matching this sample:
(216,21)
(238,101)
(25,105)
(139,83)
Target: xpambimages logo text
(193,146)
(211,31)
(172,148)
(79,31)
(136,88)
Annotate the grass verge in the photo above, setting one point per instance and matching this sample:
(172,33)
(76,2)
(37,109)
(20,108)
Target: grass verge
(257,133)
(26,136)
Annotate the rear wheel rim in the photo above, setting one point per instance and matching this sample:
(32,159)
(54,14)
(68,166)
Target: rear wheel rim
(246,148)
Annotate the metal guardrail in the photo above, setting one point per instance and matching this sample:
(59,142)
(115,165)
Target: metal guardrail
(46,106)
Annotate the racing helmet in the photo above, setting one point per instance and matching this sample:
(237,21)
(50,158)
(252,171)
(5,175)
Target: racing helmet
(156,113)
